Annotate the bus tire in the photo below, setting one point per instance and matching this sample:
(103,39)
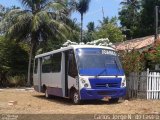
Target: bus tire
(75,98)
(113,100)
(46,94)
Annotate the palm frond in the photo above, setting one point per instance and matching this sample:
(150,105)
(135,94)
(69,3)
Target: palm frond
(18,31)
(83,6)
(27,3)
(49,21)
(54,6)
(36,23)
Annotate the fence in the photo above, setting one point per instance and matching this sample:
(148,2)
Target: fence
(144,85)
(153,85)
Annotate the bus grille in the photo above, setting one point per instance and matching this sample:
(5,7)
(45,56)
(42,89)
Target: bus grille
(107,85)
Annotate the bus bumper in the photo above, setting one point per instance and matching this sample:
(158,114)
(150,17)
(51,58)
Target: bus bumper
(91,94)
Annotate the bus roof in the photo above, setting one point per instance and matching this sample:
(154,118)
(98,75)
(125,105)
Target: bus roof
(72,47)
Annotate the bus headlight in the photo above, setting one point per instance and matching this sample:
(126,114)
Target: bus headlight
(123,82)
(84,83)
(83,80)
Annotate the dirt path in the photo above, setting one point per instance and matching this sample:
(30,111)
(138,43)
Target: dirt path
(31,102)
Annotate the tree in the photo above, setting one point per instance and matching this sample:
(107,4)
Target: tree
(152,55)
(131,3)
(88,35)
(134,57)
(82,7)
(58,40)
(129,16)
(137,17)
(110,30)
(40,20)
(2,10)
(147,17)
(91,27)
(13,59)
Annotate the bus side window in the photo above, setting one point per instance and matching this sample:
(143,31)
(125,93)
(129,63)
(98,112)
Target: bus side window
(35,66)
(72,66)
(46,64)
(56,62)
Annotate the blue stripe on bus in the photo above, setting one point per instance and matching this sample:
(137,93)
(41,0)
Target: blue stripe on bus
(103,87)
(91,94)
(101,72)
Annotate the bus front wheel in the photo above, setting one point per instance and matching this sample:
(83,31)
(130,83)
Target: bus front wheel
(75,98)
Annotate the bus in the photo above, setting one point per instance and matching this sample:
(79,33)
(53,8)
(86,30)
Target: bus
(80,72)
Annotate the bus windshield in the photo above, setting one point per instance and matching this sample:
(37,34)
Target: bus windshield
(98,62)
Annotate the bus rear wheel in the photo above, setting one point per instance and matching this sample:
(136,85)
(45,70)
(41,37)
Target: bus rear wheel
(75,98)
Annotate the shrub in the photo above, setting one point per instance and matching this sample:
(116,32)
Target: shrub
(16,81)
(132,61)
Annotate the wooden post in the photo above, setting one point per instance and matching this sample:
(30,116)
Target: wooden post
(156,22)
(147,83)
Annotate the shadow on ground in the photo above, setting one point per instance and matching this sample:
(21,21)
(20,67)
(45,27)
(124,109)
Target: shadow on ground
(67,101)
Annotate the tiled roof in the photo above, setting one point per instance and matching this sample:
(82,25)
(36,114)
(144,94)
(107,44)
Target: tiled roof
(137,43)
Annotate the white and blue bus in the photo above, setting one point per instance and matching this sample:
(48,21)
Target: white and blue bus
(80,72)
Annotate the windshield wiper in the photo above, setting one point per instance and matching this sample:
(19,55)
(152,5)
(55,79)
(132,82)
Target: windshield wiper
(104,70)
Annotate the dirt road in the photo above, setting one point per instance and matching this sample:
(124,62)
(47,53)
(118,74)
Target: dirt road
(31,102)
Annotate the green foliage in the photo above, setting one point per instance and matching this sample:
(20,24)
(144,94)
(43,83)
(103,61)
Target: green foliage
(110,30)
(88,35)
(152,56)
(132,61)
(91,27)
(40,21)
(58,40)
(16,81)
(82,6)
(2,11)
(13,59)
(43,19)
(129,16)
(106,20)
(147,16)
(137,17)
(158,54)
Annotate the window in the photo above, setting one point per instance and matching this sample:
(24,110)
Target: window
(35,65)
(51,63)
(56,62)
(46,64)
(92,61)
(72,66)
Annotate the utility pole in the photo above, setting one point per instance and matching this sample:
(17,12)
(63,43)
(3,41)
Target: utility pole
(156,22)
(103,13)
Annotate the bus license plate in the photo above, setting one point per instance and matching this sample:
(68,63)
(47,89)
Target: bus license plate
(107,98)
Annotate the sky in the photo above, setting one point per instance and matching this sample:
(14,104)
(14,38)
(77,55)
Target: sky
(94,14)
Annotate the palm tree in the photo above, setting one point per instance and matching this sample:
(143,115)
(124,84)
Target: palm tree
(133,5)
(39,20)
(82,7)
(91,27)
